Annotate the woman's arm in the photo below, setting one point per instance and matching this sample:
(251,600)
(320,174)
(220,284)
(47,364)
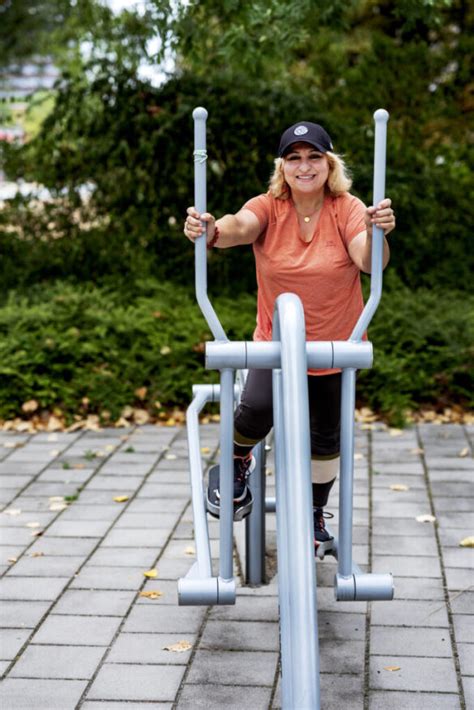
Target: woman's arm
(234,229)
(360,248)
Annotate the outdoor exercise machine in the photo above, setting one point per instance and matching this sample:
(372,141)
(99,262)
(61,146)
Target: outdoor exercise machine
(289,356)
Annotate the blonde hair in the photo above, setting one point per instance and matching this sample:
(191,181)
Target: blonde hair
(338,181)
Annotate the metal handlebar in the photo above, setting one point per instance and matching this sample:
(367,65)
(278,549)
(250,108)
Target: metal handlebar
(200,202)
(380,150)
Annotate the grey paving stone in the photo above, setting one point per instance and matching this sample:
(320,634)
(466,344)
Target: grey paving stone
(462,603)
(114,578)
(17,693)
(332,625)
(67,662)
(51,489)
(77,630)
(412,495)
(119,470)
(460,557)
(461,475)
(216,697)
(147,520)
(136,538)
(173,569)
(22,614)
(78,528)
(116,487)
(123,557)
(341,656)
(66,475)
(46,566)
(78,511)
(464,628)
(433,674)
(164,490)
(142,505)
(407,566)
(31,588)
(446,463)
(456,506)
(233,668)
(240,636)
(248,609)
(327,602)
(385,480)
(150,648)
(11,640)
(130,682)
(466,658)
(14,481)
(447,489)
(385,700)
(164,619)
(111,705)
(468,686)
(91,602)
(168,589)
(405,545)
(15,536)
(61,546)
(397,508)
(20,521)
(410,614)
(337,692)
(386,640)
(391,526)
(458,579)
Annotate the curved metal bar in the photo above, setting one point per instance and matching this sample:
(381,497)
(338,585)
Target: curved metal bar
(380,150)
(297,550)
(200,202)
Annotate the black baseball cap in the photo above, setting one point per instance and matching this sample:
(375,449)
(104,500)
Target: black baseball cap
(305,132)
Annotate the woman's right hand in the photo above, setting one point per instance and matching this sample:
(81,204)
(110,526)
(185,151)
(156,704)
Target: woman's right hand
(193,224)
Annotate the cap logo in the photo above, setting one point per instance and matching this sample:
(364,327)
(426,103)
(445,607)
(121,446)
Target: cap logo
(300,131)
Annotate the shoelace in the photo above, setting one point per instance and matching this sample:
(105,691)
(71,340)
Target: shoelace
(319,516)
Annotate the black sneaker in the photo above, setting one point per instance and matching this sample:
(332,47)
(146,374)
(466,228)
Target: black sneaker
(242,496)
(323,541)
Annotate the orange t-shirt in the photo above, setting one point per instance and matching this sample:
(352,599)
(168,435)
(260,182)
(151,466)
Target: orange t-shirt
(320,272)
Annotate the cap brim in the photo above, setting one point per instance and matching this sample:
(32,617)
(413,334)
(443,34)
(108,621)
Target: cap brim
(302,140)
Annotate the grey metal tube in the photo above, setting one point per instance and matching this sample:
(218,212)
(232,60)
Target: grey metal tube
(200,202)
(346,473)
(255,522)
(289,328)
(267,354)
(226,475)
(283,551)
(201,533)
(380,150)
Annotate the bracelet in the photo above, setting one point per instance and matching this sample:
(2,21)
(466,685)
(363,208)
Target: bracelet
(214,239)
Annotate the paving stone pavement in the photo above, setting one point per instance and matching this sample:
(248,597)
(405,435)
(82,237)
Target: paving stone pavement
(75,631)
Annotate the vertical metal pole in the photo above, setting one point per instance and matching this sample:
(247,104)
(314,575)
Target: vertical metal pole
(284,576)
(299,548)
(226,475)
(347,472)
(255,522)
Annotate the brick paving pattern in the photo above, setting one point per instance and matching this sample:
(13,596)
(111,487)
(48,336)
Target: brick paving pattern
(75,632)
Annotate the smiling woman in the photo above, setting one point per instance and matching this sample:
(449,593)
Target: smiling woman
(311,237)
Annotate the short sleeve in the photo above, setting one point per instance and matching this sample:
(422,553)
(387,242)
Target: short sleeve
(261,207)
(355,219)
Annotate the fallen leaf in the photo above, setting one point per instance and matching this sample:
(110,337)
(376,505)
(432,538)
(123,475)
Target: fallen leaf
(54,452)
(165,350)
(189,550)
(141,416)
(141,392)
(358,456)
(392,668)
(79,465)
(12,560)
(178,647)
(56,499)
(425,518)
(205,450)
(215,417)
(30,406)
(11,444)
(151,574)
(464,452)
(52,437)
(110,447)
(33,525)
(395,432)
(417,451)
(399,487)
(170,457)
(56,507)
(37,533)
(37,554)
(467,541)
(120,499)
(12,511)
(151,594)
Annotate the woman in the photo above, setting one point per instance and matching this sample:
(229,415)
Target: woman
(311,237)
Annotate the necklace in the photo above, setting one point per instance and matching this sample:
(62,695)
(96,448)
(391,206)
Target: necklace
(308,219)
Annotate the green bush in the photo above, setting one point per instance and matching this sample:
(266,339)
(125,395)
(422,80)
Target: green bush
(63,343)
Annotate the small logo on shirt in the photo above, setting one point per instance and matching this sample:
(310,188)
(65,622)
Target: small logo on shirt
(300,130)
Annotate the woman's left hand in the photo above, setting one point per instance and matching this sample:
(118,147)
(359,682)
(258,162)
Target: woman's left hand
(380,216)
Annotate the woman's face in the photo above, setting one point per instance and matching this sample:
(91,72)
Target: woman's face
(305,168)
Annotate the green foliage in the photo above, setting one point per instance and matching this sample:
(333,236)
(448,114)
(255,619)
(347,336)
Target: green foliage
(63,343)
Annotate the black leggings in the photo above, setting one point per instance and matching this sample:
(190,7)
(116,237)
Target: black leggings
(254,415)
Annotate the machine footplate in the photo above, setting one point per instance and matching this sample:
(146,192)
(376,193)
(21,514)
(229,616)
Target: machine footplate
(242,508)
